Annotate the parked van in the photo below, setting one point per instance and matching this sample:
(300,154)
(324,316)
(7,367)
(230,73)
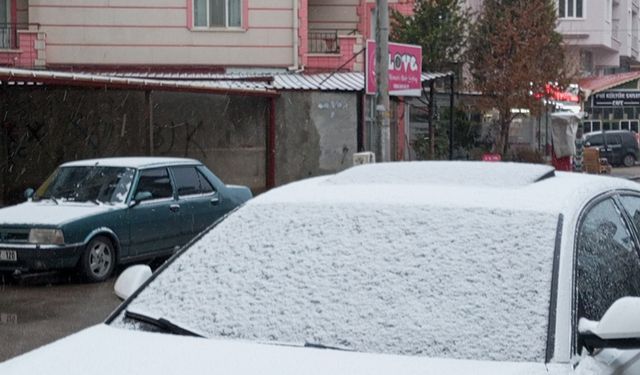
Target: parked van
(619,147)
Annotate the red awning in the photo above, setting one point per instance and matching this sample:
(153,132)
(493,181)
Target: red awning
(595,84)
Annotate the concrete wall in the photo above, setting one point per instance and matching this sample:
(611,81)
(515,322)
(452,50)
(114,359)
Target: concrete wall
(228,134)
(43,127)
(316,134)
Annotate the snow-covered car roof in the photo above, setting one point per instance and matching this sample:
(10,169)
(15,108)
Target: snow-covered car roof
(454,184)
(132,162)
(400,258)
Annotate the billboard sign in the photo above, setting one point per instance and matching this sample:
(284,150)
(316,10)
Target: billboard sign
(616,99)
(405,69)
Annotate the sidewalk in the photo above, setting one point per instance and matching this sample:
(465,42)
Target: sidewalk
(632,173)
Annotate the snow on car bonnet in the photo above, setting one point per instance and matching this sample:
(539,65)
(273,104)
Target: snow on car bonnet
(406,279)
(503,175)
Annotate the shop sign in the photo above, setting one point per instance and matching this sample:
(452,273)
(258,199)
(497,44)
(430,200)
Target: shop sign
(616,99)
(405,69)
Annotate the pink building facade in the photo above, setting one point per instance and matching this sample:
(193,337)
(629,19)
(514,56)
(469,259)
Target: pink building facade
(213,35)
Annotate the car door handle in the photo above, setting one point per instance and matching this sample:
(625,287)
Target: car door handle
(174,207)
(215,201)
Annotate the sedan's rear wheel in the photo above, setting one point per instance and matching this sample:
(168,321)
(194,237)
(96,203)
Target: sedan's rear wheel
(98,260)
(629,160)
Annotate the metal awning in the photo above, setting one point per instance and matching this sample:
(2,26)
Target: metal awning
(11,76)
(214,83)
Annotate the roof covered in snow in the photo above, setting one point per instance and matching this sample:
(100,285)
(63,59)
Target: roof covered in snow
(400,258)
(132,162)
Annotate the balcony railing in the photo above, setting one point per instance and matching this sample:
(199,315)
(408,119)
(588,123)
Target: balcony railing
(324,41)
(9,34)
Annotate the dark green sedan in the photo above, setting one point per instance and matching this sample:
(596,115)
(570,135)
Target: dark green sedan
(94,214)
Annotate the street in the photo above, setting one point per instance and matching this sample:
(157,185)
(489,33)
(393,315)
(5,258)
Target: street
(42,309)
(632,173)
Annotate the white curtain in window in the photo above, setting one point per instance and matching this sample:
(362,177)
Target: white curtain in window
(200,13)
(235,13)
(217,13)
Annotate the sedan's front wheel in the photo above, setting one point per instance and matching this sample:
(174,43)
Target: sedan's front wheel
(98,260)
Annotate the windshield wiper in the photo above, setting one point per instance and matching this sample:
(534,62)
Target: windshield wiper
(164,324)
(317,345)
(49,198)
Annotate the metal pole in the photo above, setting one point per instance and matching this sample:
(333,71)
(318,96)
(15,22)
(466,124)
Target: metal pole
(149,119)
(383,128)
(432,125)
(451,99)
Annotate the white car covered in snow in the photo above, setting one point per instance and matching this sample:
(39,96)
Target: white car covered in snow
(402,268)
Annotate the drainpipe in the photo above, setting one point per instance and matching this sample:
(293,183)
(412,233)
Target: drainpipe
(296,38)
(148,116)
(271,145)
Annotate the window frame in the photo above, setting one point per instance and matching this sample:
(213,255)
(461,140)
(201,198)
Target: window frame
(226,17)
(614,195)
(155,200)
(200,176)
(574,4)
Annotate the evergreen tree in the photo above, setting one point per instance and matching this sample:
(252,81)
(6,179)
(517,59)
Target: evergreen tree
(440,27)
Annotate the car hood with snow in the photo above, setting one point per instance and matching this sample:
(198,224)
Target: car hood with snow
(141,353)
(48,213)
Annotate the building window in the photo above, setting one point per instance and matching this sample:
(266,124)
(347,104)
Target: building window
(217,13)
(570,8)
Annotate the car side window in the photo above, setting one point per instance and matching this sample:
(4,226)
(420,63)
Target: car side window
(157,182)
(595,140)
(631,205)
(608,266)
(205,185)
(190,181)
(614,139)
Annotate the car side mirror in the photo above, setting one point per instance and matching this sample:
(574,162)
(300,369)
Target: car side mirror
(131,279)
(587,144)
(28,193)
(140,197)
(619,327)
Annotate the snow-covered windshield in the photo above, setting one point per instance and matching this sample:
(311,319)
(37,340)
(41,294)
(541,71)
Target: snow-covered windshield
(468,283)
(88,183)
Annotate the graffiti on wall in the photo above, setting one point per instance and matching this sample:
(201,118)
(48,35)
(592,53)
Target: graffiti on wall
(173,137)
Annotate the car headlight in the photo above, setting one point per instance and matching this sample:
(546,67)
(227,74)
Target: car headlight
(46,236)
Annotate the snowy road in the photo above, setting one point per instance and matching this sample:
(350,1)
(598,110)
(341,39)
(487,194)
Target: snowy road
(43,309)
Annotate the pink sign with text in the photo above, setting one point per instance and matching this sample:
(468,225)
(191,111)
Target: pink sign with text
(405,69)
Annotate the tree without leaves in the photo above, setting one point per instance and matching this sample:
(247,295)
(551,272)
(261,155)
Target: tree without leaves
(514,51)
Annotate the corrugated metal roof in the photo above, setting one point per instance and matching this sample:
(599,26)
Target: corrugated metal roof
(188,76)
(349,81)
(594,84)
(224,87)
(232,84)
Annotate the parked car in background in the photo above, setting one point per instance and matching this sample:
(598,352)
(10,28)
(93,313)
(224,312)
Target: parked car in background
(94,214)
(619,147)
(401,268)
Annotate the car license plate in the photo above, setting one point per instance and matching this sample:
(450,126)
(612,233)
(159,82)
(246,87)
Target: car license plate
(8,256)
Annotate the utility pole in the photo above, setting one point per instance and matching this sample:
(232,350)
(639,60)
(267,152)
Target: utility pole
(383,128)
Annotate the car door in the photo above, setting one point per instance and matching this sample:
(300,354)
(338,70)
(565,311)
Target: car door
(154,222)
(614,148)
(607,268)
(199,201)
